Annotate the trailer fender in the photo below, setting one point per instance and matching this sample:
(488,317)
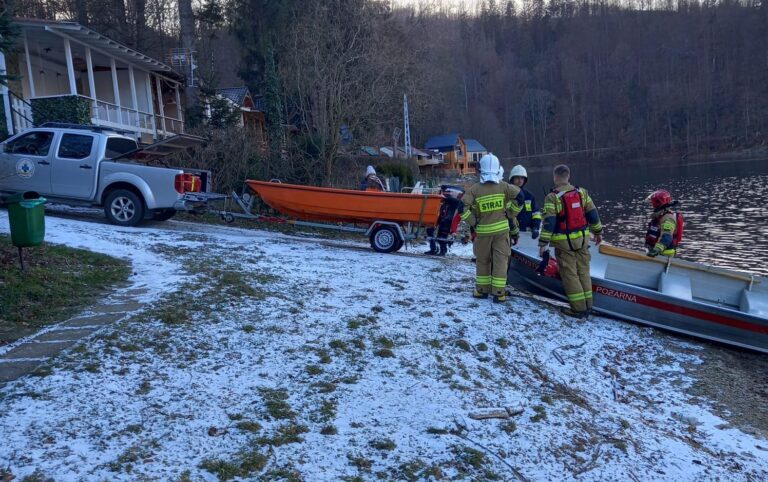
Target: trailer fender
(397,227)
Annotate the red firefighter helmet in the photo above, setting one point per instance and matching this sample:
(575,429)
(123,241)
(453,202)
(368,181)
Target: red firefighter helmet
(660,199)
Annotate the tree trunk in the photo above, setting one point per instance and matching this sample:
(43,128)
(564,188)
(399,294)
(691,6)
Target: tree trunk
(187,34)
(82,12)
(140,7)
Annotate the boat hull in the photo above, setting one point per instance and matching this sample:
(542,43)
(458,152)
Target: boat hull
(652,308)
(343,205)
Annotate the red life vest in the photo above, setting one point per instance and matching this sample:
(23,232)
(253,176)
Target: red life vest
(654,232)
(571,217)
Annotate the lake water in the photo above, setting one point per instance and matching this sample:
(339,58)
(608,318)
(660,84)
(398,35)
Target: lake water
(724,204)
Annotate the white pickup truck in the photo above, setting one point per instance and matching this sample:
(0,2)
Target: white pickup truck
(93,166)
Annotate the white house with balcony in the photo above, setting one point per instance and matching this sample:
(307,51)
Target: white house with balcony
(66,72)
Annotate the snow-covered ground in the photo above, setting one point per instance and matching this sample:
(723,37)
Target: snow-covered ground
(266,356)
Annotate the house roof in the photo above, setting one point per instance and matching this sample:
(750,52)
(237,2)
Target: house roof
(441,142)
(474,146)
(368,150)
(97,41)
(235,94)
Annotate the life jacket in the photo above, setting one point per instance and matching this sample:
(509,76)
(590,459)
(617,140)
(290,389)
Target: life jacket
(571,218)
(654,232)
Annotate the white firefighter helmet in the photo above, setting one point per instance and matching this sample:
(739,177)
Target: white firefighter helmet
(490,168)
(518,171)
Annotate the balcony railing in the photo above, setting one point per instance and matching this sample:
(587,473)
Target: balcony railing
(169,125)
(107,114)
(113,115)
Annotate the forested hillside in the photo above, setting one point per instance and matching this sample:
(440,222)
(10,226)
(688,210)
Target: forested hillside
(527,77)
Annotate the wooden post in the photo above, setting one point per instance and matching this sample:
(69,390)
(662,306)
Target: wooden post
(180,111)
(160,103)
(29,68)
(92,82)
(148,88)
(116,90)
(134,100)
(70,67)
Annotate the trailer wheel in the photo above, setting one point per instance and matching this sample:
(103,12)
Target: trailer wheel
(385,239)
(228,218)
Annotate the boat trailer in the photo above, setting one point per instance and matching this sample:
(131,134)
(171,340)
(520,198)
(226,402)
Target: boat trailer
(384,236)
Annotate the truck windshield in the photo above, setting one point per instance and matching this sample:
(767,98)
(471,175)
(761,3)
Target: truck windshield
(117,146)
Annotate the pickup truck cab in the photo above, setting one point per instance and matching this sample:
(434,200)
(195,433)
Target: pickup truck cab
(93,166)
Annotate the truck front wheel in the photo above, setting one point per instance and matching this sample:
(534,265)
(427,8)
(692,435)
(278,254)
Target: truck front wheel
(124,208)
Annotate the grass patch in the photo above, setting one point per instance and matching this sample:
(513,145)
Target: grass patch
(385,342)
(59,282)
(324,387)
(509,426)
(287,434)
(541,413)
(338,345)
(383,444)
(384,353)
(363,464)
(276,405)
(243,465)
(329,430)
(463,344)
(248,426)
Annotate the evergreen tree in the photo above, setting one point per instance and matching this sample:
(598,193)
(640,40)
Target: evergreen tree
(274,110)
(8,32)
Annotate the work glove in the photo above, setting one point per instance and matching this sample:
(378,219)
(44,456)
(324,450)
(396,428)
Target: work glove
(515,239)
(654,252)
(534,234)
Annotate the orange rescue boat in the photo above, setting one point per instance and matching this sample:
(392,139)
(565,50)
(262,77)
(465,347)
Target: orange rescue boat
(346,205)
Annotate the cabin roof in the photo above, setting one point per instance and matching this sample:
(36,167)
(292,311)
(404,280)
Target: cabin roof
(235,94)
(474,146)
(97,41)
(442,142)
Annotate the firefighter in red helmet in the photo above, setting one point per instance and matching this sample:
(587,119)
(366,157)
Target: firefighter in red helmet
(665,230)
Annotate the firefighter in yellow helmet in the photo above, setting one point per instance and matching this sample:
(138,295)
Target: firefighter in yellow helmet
(488,207)
(569,216)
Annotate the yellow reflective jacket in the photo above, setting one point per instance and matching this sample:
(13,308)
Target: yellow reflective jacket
(550,229)
(488,208)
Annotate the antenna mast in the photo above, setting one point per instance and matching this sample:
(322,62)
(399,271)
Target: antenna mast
(407,128)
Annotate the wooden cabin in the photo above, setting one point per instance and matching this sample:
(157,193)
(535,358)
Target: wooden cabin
(65,72)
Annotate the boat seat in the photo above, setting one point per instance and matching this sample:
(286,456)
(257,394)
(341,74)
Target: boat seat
(754,303)
(645,275)
(675,285)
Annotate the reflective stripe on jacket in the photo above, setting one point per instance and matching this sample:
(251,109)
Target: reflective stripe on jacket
(488,208)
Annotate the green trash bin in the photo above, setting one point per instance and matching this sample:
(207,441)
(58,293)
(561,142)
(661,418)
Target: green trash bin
(26,216)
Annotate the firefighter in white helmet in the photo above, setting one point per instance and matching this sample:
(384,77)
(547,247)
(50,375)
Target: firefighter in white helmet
(488,208)
(529,218)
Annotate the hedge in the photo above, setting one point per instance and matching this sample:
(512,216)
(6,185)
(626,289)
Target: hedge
(71,109)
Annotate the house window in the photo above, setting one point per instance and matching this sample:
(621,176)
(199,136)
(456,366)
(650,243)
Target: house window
(75,146)
(33,144)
